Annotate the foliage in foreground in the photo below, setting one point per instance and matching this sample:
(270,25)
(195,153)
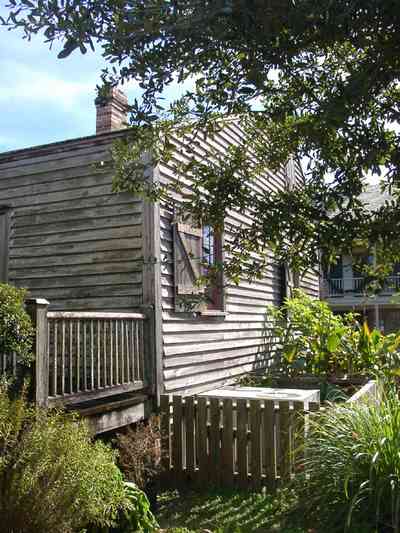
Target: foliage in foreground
(54,478)
(315,341)
(353,462)
(324,75)
(16,332)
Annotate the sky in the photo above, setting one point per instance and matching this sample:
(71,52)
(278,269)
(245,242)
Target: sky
(44,99)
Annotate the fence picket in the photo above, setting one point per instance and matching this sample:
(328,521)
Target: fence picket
(298,435)
(255,427)
(227,443)
(241,430)
(284,440)
(165,432)
(177,452)
(215,451)
(190,437)
(202,443)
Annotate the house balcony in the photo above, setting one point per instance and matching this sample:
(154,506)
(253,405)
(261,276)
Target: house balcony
(352,290)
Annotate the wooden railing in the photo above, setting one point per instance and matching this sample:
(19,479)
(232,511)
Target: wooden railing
(96,354)
(86,355)
(8,364)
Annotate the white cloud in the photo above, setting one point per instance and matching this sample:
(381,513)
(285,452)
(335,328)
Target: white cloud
(31,85)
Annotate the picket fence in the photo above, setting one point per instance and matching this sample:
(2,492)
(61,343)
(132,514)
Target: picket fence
(226,442)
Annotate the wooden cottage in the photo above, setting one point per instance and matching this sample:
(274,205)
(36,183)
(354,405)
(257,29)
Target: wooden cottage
(116,271)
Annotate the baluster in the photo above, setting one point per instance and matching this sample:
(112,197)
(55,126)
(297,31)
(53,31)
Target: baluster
(138,326)
(71,338)
(116,354)
(91,355)
(63,357)
(133,329)
(55,377)
(84,324)
(98,353)
(48,354)
(110,325)
(104,354)
(78,355)
(122,352)
(141,361)
(128,371)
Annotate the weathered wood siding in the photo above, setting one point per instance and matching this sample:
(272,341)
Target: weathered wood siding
(71,240)
(200,352)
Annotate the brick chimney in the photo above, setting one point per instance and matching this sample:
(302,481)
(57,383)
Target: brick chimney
(111,111)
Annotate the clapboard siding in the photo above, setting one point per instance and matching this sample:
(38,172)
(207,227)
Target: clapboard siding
(201,352)
(72,240)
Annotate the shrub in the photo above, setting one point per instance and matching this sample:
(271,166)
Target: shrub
(16,332)
(353,461)
(313,340)
(140,455)
(52,476)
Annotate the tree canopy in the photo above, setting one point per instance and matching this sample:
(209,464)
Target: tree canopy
(314,79)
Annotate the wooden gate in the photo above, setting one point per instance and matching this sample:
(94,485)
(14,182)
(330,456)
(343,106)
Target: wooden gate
(248,443)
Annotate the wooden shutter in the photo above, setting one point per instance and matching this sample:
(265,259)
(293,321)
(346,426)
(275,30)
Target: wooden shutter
(4,242)
(292,280)
(289,280)
(188,252)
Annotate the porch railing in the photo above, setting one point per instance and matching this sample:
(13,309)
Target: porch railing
(91,352)
(334,287)
(8,364)
(86,355)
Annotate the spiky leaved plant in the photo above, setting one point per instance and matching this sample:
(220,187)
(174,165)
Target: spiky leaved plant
(352,458)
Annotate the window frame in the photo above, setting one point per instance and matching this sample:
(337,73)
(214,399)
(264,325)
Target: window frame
(193,254)
(216,290)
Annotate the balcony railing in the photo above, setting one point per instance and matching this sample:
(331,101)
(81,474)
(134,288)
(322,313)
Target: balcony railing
(336,287)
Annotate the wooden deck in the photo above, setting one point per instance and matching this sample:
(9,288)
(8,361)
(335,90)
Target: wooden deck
(96,363)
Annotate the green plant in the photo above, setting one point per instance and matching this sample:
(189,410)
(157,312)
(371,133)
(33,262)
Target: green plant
(16,332)
(353,463)
(312,339)
(52,476)
(134,517)
(380,353)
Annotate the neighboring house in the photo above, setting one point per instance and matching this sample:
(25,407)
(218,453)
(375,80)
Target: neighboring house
(68,238)
(344,286)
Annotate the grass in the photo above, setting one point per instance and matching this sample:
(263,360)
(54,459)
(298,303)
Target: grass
(223,511)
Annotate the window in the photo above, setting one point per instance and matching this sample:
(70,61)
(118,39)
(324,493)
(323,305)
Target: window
(196,251)
(208,246)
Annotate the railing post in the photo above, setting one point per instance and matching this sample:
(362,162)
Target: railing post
(37,309)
